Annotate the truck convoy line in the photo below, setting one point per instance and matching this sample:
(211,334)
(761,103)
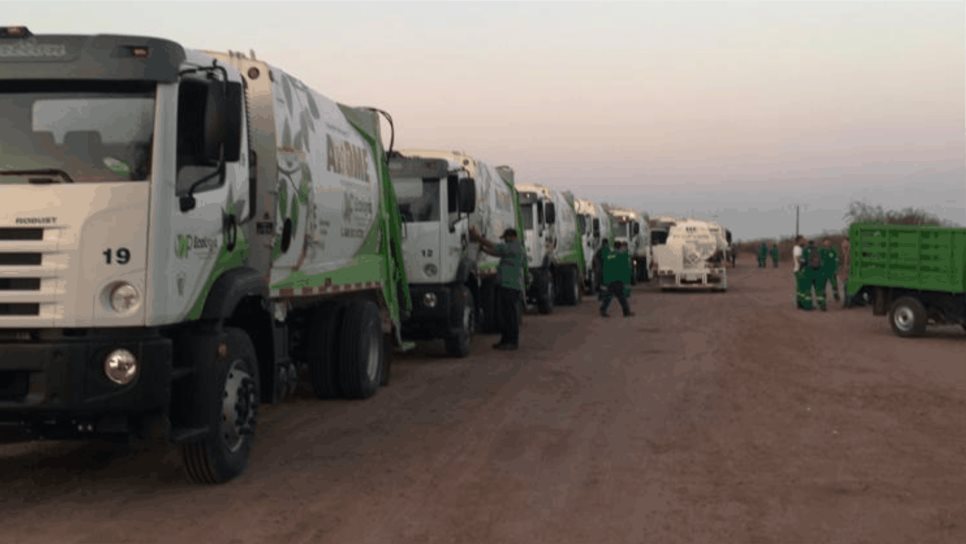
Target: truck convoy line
(183,231)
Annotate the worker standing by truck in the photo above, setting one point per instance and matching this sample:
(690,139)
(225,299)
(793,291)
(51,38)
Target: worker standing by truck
(617,277)
(774,254)
(762,255)
(830,266)
(510,272)
(803,296)
(814,275)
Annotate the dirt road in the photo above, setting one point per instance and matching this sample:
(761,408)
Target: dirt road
(720,418)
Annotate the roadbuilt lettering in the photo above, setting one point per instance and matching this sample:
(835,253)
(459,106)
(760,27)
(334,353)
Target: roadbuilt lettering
(347,159)
(35,220)
(188,242)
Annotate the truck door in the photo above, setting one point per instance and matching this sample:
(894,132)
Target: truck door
(210,192)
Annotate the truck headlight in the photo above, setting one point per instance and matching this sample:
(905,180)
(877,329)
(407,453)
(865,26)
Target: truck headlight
(124,298)
(121,366)
(429,300)
(430,270)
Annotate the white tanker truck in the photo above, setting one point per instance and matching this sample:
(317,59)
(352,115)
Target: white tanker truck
(692,256)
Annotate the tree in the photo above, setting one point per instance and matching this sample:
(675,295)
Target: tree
(863,212)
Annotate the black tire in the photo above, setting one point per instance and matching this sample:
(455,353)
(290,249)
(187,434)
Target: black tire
(544,281)
(361,351)
(226,386)
(488,323)
(322,350)
(464,312)
(569,286)
(908,317)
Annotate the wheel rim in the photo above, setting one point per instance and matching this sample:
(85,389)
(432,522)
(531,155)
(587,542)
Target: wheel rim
(904,318)
(238,406)
(372,364)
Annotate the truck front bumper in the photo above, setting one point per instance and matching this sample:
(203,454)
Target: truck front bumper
(432,314)
(59,381)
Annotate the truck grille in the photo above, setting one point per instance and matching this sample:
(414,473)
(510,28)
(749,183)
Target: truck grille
(31,282)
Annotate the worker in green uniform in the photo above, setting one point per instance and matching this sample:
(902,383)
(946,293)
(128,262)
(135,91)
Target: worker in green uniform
(510,274)
(762,255)
(616,278)
(814,276)
(803,296)
(830,266)
(774,255)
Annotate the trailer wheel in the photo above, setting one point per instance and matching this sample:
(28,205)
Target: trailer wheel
(226,392)
(361,351)
(458,344)
(322,350)
(908,317)
(544,286)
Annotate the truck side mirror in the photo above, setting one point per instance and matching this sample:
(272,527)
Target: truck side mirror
(215,122)
(596,227)
(550,213)
(637,228)
(234,105)
(467,190)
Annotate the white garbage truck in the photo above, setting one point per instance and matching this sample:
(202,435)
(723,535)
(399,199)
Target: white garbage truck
(632,229)
(553,248)
(180,231)
(692,257)
(452,283)
(594,226)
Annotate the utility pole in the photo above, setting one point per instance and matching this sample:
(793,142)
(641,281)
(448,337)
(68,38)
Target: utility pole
(796,220)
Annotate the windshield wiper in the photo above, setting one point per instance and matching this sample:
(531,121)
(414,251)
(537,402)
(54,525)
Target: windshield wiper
(39,172)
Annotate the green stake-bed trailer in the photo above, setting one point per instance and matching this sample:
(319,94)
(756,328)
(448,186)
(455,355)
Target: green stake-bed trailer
(916,275)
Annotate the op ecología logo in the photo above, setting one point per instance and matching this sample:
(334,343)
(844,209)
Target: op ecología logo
(187,243)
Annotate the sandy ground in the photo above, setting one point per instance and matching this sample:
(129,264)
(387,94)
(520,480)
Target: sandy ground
(718,418)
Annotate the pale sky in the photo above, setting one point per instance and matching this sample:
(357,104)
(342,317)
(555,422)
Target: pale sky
(734,110)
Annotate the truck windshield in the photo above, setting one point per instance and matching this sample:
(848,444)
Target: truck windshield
(80,132)
(526,210)
(419,199)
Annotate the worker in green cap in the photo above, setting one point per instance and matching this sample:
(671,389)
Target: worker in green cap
(830,266)
(763,255)
(814,275)
(774,254)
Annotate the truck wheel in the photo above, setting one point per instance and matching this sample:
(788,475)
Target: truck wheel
(634,273)
(458,345)
(645,272)
(322,350)
(488,306)
(361,353)
(908,317)
(544,292)
(227,394)
(387,343)
(570,286)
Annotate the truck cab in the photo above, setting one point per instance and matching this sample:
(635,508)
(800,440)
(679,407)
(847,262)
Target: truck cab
(540,239)
(437,194)
(633,230)
(593,225)
(170,250)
